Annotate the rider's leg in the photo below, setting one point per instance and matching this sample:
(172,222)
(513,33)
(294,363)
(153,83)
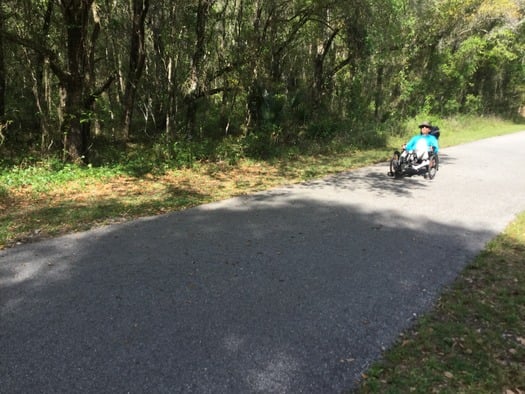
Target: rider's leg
(423,157)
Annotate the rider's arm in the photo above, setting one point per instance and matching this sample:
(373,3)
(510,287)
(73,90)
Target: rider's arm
(434,144)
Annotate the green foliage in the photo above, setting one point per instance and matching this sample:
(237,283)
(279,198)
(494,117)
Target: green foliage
(263,143)
(322,129)
(265,76)
(462,63)
(473,105)
(230,150)
(42,176)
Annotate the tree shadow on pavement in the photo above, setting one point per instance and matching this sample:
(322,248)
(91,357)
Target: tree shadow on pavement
(273,292)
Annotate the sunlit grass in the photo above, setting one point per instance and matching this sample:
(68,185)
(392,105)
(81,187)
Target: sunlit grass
(460,130)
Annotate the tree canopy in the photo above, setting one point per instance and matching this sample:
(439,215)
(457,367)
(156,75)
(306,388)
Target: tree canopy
(72,71)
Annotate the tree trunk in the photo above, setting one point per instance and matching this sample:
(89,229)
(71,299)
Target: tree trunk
(137,58)
(76,18)
(319,69)
(254,99)
(2,67)
(41,85)
(378,100)
(195,84)
(73,147)
(78,80)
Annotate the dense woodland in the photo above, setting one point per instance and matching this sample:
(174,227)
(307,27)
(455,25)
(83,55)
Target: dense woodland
(79,74)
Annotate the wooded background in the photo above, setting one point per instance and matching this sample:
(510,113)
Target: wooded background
(74,72)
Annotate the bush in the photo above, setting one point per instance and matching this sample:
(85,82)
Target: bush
(323,129)
(230,149)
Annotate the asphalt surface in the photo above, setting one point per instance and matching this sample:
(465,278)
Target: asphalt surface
(293,290)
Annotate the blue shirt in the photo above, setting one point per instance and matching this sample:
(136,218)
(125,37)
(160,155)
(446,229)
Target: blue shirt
(430,141)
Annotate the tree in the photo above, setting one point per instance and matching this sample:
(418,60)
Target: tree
(137,58)
(76,76)
(210,68)
(196,77)
(40,74)
(2,67)
(78,94)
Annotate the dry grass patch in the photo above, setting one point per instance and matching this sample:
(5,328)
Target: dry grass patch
(27,214)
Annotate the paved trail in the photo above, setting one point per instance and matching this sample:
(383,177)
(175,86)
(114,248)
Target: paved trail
(294,290)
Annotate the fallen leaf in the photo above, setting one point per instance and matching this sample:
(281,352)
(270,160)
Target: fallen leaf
(448,375)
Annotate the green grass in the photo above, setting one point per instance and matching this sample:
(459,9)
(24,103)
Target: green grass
(460,130)
(474,340)
(45,176)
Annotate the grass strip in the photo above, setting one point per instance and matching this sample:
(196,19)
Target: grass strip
(473,341)
(52,199)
